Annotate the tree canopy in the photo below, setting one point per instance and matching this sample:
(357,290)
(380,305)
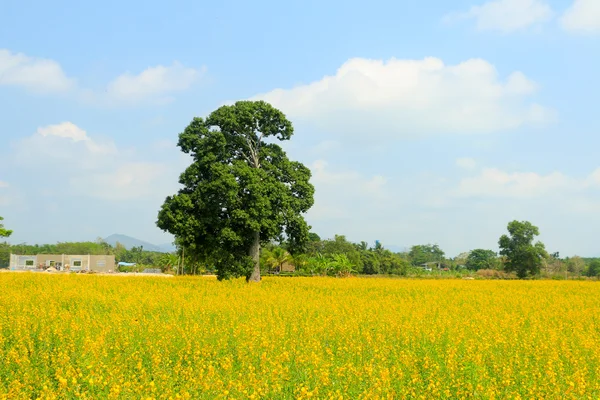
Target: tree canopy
(421,254)
(481,259)
(523,256)
(241,190)
(4,233)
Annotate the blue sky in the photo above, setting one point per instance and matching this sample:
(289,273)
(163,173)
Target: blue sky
(423,121)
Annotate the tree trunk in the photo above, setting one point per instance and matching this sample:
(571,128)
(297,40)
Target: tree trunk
(254,253)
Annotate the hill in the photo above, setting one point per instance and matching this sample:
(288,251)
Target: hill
(130,242)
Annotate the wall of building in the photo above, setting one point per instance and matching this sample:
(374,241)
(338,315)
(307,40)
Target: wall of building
(99,263)
(102,263)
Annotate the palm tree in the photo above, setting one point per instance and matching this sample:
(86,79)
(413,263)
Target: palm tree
(300,261)
(277,258)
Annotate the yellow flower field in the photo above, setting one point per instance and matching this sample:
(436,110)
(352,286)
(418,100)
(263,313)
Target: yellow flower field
(91,337)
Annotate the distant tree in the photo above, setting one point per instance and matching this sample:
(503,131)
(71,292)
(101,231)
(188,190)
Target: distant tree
(319,264)
(341,266)
(277,258)
(392,264)
(313,237)
(522,255)
(553,264)
(421,254)
(4,233)
(340,245)
(593,268)
(240,191)
(575,265)
(371,263)
(120,252)
(461,259)
(481,259)
(300,261)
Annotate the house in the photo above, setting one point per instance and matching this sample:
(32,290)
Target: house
(63,262)
(287,267)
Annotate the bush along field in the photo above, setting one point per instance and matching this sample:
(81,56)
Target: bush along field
(90,337)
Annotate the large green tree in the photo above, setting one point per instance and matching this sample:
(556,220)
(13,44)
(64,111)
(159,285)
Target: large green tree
(241,189)
(421,254)
(4,232)
(523,256)
(481,259)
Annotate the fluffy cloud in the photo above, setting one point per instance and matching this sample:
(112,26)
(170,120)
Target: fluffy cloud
(64,144)
(407,98)
(497,183)
(35,74)
(336,189)
(506,16)
(156,84)
(92,167)
(127,181)
(493,182)
(153,83)
(582,17)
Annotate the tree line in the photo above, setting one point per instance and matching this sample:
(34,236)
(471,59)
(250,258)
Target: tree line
(338,256)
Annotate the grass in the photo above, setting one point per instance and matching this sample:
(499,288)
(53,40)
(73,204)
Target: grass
(92,337)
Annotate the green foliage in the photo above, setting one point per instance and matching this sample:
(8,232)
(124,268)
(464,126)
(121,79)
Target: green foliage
(575,265)
(523,256)
(313,237)
(238,185)
(4,233)
(393,264)
(421,254)
(371,262)
(594,268)
(481,259)
(341,266)
(276,258)
(340,245)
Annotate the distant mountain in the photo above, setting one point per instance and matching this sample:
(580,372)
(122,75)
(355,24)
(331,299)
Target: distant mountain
(168,247)
(130,242)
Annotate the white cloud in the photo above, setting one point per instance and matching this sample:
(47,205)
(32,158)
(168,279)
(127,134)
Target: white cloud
(582,17)
(35,74)
(466,163)
(65,143)
(64,130)
(407,98)
(492,182)
(154,83)
(129,180)
(506,16)
(89,166)
(335,191)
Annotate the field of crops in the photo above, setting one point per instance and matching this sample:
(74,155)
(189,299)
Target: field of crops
(113,337)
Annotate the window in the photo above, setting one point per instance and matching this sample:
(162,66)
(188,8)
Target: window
(29,263)
(77,263)
(52,263)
